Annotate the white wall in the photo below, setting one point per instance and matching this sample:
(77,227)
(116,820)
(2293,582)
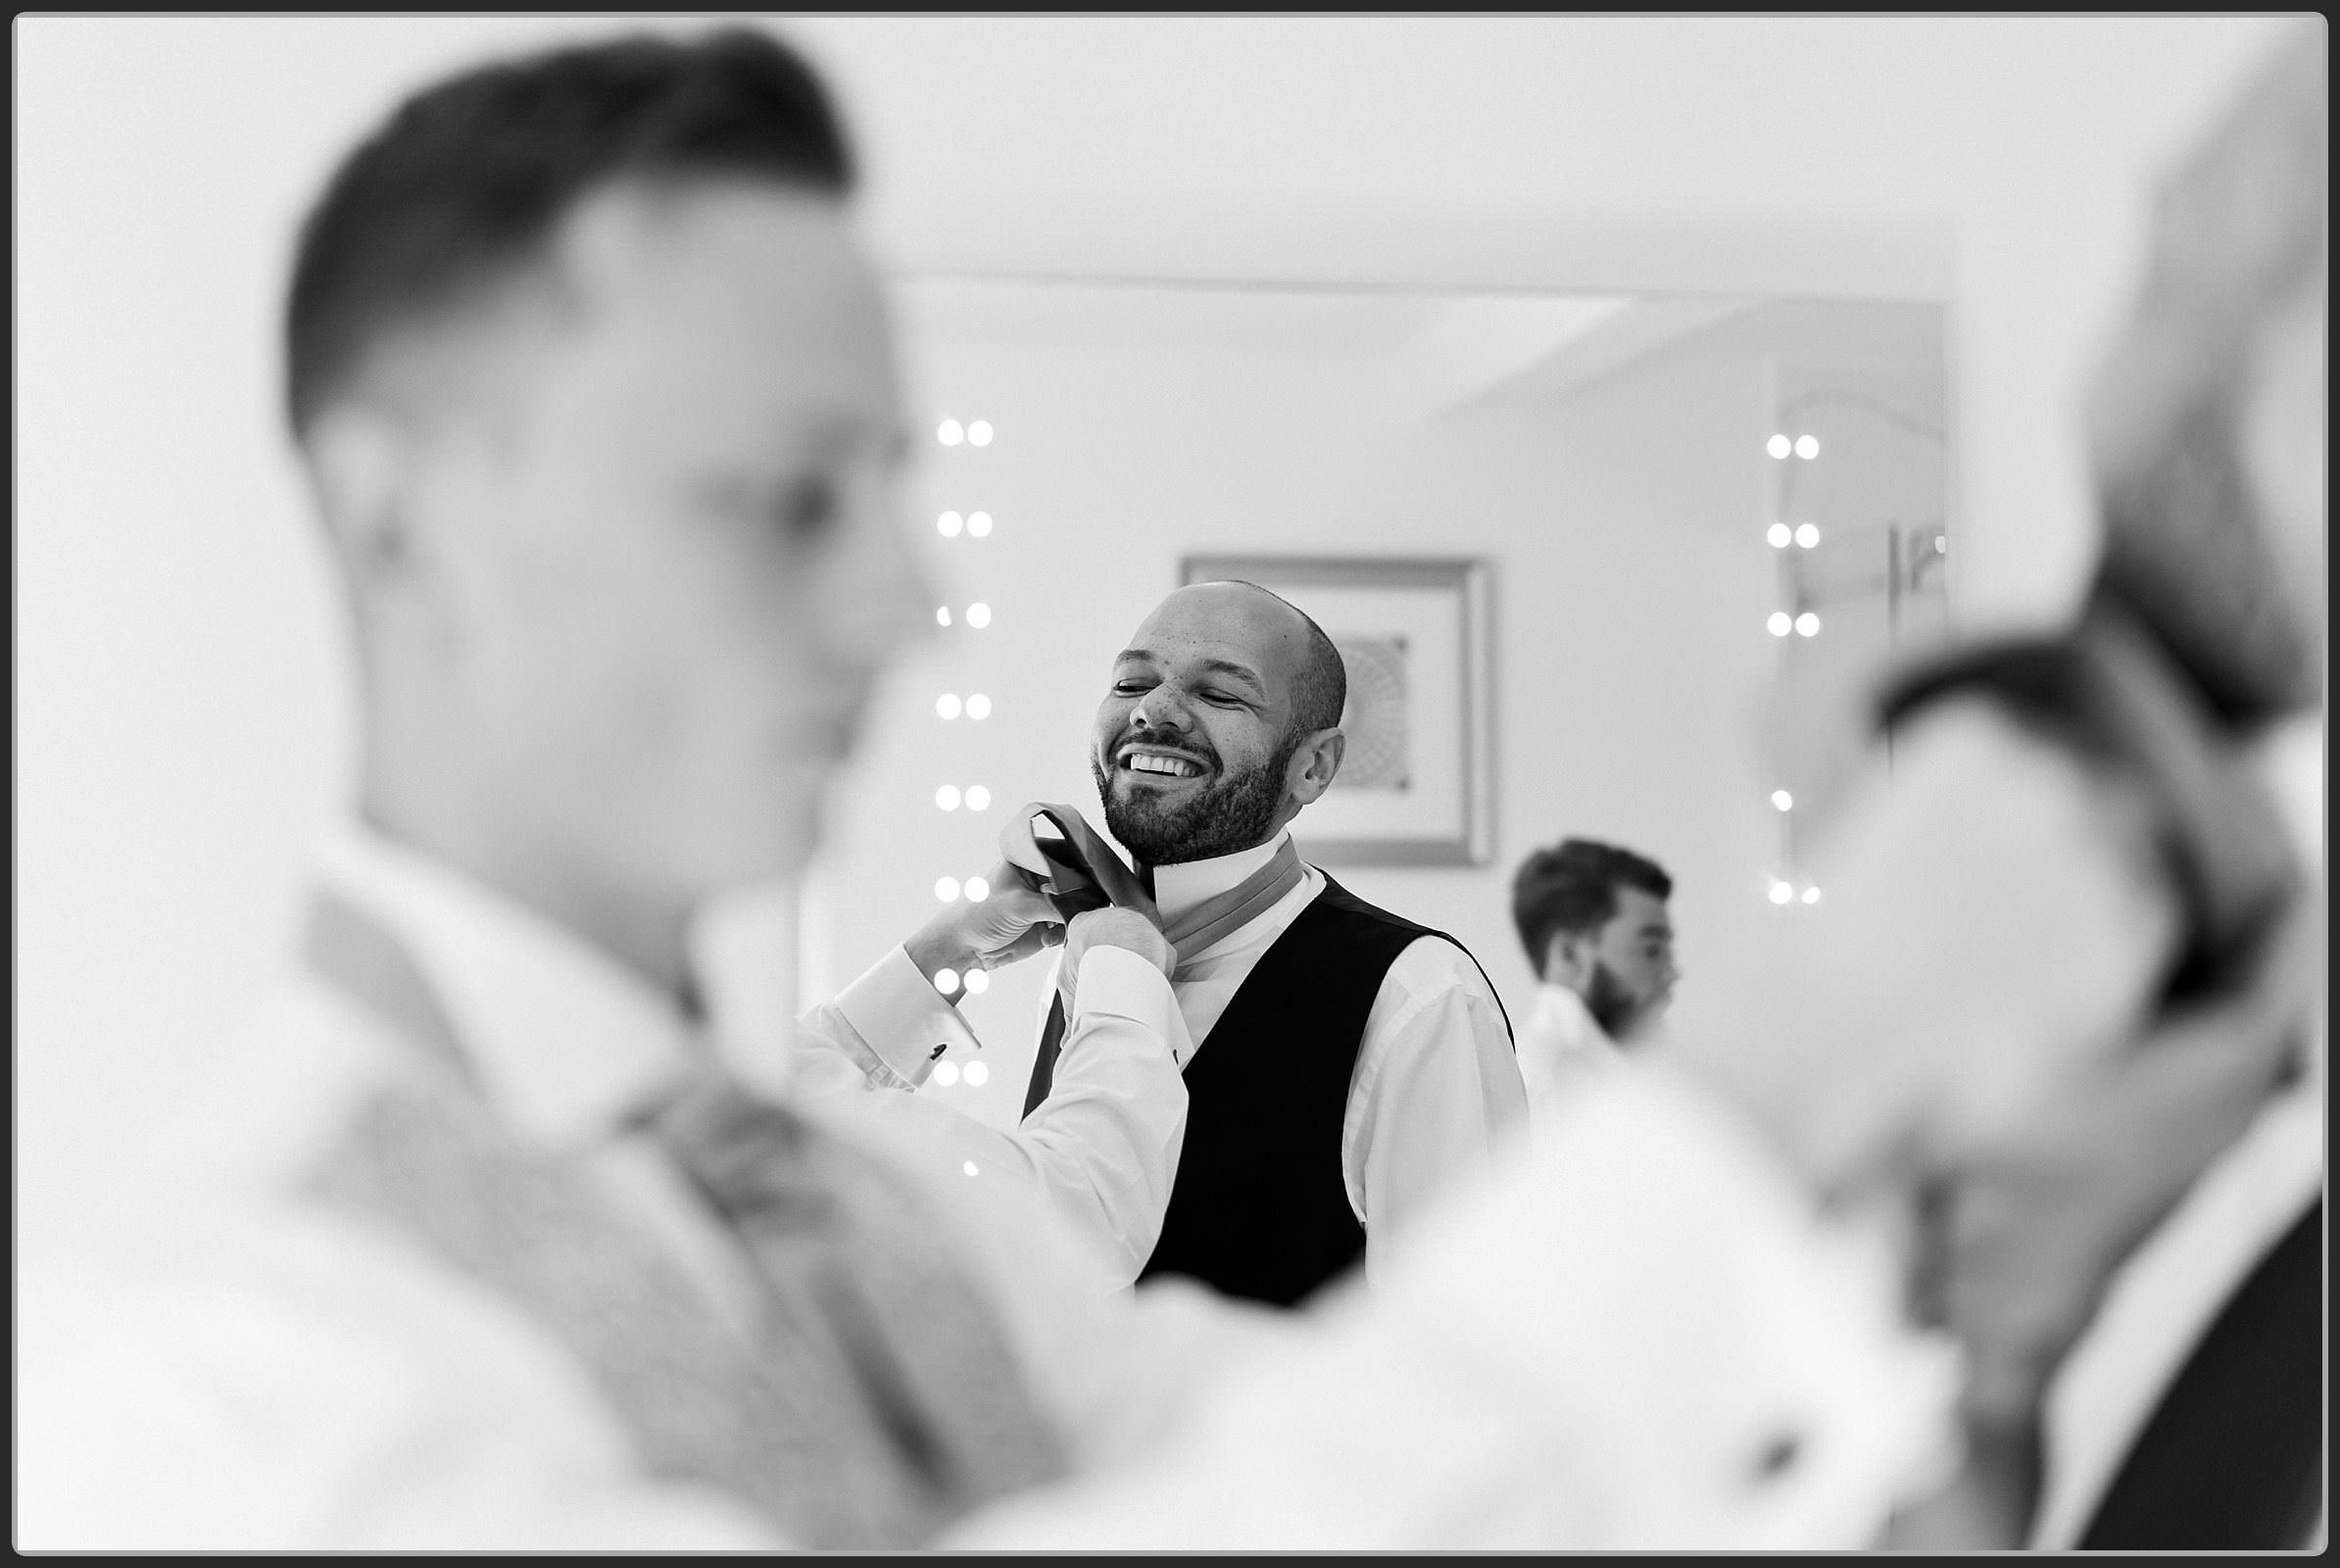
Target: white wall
(179,708)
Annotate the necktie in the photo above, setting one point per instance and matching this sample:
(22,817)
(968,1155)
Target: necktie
(875,1399)
(859,1269)
(1079,871)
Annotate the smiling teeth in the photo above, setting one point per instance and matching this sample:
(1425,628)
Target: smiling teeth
(1176,768)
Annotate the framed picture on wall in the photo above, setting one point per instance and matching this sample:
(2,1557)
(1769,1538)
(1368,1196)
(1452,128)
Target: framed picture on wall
(1416,785)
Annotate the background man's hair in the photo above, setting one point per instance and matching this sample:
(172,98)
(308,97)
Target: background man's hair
(466,184)
(1572,888)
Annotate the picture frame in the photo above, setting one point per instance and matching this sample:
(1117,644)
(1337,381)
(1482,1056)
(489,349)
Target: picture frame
(1416,785)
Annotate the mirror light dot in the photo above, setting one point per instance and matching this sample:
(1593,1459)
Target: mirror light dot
(978,890)
(1807,446)
(948,524)
(978,707)
(1781,893)
(979,523)
(1811,895)
(1778,534)
(942,615)
(979,799)
(947,705)
(969,1168)
(945,1073)
(948,796)
(945,981)
(978,1074)
(977,983)
(1941,546)
(1783,800)
(1780,623)
(979,435)
(1807,624)
(949,433)
(946,889)
(1779,446)
(979,614)
(1807,536)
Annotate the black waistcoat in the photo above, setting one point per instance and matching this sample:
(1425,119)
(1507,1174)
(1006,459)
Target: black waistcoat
(1260,1209)
(2232,1459)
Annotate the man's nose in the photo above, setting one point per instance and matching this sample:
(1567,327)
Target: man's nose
(1160,709)
(882,601)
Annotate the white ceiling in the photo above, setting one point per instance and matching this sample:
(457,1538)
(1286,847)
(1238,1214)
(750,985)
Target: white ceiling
(1429,351)
(1817,156)
(1432,351)
(1340,323)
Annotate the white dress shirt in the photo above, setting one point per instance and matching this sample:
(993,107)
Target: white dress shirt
(235,1368)
(1104,1147)
(1435,1088)
(2171,1287)
(1561,1048)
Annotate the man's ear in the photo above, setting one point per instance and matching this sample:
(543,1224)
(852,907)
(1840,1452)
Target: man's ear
(360,468)
(1564,958)
(1314,764)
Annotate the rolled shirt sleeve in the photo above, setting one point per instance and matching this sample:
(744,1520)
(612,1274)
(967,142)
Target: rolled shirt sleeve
(1102,1150)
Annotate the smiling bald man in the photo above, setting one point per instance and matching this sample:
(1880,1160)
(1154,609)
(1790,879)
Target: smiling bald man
(1342,1065)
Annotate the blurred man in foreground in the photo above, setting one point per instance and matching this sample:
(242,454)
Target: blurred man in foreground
(1593,919)
(481,1248)
(2189,1415)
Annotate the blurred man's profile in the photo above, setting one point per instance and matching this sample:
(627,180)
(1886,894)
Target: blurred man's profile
(2187,1415)
(594,386)
(1595,921)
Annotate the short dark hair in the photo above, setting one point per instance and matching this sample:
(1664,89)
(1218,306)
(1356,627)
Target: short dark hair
(465,182)
(1572,888)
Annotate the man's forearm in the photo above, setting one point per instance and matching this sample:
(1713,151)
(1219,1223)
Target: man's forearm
(1103,1149)
(938,946)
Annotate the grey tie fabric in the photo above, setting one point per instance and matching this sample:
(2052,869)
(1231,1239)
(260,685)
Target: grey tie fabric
(856,1258)
(1085,873)
(875,1400)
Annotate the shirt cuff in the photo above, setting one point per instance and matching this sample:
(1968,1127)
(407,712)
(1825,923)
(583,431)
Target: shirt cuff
(903,1018)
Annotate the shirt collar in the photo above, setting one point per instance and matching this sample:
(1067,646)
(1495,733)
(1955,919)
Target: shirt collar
(567,1043)
(1180,888)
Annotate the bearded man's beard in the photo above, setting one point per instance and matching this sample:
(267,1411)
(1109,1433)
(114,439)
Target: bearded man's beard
(1235,814)
(1616,1010)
